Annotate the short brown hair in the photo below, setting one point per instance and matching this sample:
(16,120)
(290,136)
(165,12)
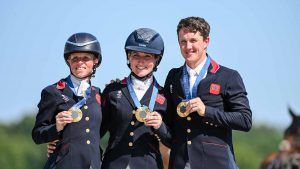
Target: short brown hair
(194,24)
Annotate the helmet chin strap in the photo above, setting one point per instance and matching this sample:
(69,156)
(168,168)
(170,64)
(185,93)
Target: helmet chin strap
(142,78)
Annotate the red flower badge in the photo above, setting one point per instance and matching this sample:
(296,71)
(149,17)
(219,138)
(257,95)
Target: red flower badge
(60,85)
(214,89)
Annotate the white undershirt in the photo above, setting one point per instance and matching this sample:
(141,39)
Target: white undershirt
(80,85)
(194,73)
(140,87)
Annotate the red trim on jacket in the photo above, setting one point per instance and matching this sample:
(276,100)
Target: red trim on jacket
(215,66)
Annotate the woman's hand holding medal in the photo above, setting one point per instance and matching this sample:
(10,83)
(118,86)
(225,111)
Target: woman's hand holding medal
(153,119)
(62,119)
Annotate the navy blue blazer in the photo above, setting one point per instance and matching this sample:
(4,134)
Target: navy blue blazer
(130,142)
(206,142)
(79,142)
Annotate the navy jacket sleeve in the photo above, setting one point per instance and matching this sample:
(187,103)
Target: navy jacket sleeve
(237,114)
(105,112)
(45,129)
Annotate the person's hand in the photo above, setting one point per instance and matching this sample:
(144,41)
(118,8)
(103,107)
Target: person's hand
(153,119)
(113,81)
(196,105)
(51,146)
(62,119)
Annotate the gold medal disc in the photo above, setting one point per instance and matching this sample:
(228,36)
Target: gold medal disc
(141,113)
(76,114)
(181,109)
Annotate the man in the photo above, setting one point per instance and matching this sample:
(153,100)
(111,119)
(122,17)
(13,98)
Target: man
(206,101)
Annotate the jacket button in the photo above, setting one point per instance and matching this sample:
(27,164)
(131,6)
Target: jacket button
(87,118)
(87,130)
(130,144)
(211,124)
(189,118)
(188,130)
(132,123)
(206,122)
(189,142)
(131,133)
(88,142)
(85,107)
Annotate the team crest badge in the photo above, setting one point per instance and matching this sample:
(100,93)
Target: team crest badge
(215,88)
(160,99)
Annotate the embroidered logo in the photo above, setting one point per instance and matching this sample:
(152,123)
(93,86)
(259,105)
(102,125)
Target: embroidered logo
(160,99)
(119,94)
(214,89)
(65,98)
(171,88)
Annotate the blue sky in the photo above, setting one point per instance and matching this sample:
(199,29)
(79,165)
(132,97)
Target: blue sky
(258,38)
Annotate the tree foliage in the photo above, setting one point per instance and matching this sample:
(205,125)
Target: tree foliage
(251,147)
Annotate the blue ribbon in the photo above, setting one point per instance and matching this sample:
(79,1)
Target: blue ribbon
(82,102)
(185,80)
(134,97)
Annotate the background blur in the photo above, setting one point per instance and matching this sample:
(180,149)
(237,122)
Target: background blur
(260,39)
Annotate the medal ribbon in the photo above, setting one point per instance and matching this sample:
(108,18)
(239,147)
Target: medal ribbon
(81,102)
(185,80)
(134,97)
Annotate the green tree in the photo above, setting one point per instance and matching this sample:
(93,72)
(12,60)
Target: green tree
(251,147)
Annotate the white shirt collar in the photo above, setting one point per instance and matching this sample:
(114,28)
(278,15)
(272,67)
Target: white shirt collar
(140,85)
(79,91)
(197,69)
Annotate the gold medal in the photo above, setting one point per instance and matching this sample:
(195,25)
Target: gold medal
(76,114)
(141,113)
(181,109)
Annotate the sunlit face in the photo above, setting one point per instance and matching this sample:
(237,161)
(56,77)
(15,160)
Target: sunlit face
(81,64)
(141,63)
(192,46)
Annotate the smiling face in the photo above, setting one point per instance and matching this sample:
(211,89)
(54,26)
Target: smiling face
(141,63)
(81,64)
(193,47)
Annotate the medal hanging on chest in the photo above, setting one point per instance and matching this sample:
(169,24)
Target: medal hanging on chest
(184,80)
(142,111)
(75,110)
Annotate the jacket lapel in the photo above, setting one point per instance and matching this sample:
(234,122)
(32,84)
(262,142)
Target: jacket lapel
(126,93)
(177,85)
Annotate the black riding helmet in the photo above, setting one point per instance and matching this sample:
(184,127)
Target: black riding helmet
(83,42)
(145,40)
